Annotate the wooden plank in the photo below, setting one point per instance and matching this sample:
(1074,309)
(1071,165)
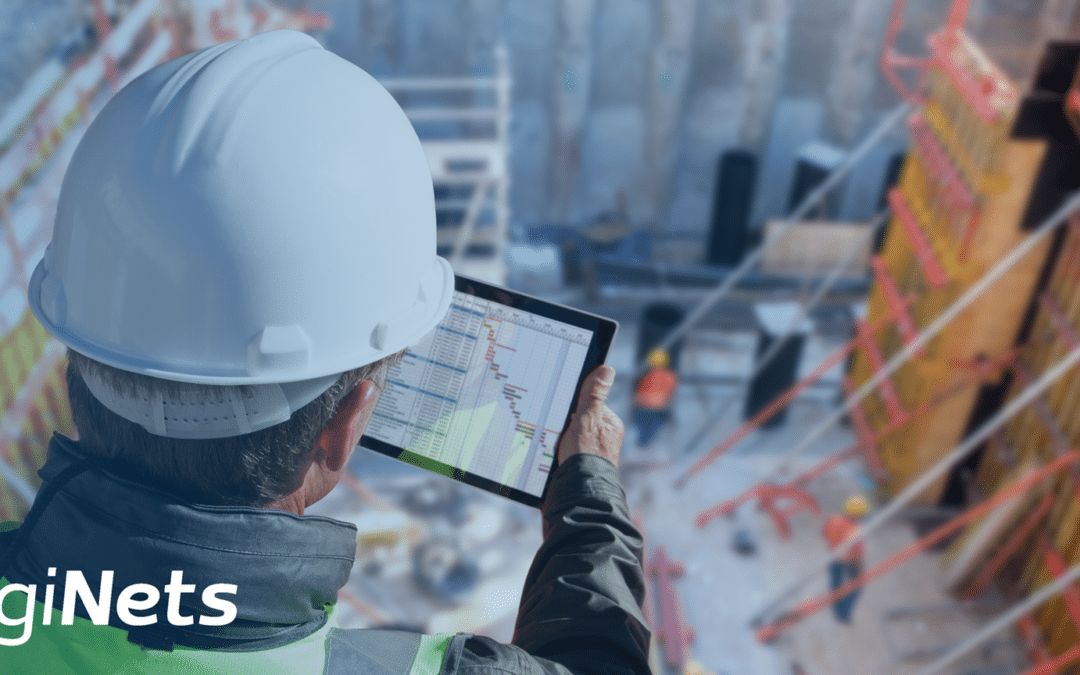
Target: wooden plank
(814,248)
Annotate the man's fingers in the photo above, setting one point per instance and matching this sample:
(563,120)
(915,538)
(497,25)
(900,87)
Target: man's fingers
(596,387)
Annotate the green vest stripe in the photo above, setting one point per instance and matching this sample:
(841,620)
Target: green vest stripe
(84,648)
(430,654)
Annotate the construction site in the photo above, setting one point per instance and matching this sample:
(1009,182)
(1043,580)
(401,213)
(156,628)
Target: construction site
(851,226)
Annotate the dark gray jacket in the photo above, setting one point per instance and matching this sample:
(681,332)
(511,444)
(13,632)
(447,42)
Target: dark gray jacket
(580,609)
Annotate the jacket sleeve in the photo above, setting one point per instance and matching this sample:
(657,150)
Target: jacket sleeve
(580,610)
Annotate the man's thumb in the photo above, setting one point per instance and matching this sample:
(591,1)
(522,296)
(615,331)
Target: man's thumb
(596,387)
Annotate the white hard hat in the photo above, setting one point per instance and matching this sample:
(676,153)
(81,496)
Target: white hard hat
(257,212)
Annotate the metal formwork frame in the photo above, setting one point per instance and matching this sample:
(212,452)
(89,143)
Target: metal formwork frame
(1018,537)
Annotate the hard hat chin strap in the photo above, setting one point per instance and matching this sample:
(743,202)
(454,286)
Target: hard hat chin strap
(199,411)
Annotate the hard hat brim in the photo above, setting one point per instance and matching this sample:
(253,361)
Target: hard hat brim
(364,355)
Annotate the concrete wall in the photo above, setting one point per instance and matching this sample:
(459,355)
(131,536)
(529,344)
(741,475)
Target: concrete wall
(642,96)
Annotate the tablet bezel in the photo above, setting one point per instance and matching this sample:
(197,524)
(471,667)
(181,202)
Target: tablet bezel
(603,330)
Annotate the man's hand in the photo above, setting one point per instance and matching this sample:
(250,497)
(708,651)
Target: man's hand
(594,429)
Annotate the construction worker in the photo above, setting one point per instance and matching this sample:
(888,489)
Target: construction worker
(244,240)
(838,529)
(653,395)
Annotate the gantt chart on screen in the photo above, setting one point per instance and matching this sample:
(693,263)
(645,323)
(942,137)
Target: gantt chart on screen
(487,391)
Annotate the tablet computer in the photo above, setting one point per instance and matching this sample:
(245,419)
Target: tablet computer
(484,397)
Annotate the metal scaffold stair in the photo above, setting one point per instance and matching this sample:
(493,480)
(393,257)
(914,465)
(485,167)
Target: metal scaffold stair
(471,172)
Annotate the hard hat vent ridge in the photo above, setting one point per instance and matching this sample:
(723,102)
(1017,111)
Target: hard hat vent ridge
(223,87)
(259,212)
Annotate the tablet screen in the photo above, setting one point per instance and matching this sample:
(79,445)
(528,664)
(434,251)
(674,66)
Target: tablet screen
(484,397)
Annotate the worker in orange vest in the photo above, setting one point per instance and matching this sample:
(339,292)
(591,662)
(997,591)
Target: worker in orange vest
(838,529)
(653,395)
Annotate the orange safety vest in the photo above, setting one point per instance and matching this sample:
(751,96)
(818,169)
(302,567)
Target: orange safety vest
(837,530)
(656,389)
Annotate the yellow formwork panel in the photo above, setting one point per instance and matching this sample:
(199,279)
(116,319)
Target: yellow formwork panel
(1053,617)
(20,350)
(973,144)
(945,227)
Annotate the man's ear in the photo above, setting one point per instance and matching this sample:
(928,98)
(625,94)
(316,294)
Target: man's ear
(345,428)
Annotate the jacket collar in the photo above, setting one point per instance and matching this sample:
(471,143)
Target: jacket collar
(287,568)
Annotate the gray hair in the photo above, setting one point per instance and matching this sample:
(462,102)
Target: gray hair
(252,469)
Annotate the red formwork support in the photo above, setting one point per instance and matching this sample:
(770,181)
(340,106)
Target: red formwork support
(977,92)
(939,163)
(1052,666)
(768,496)
(898,304)
(748,427)
(889,395)
(868,440)
(1037,651)
(1057,566)
(1045,664)
(1042,411)
(1012,544)
(800,500)
(867,437)
(1058,318)
(755,492)
(892,61)
(674,635)
(959,197)
(924,252)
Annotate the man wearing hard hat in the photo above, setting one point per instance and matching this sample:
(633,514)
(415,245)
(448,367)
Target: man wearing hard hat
(244,239)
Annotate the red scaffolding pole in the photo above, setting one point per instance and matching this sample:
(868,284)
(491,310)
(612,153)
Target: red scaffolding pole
(867,438)
(779,402)
(886,388)
(1018,537)
(770,631)
(898,304)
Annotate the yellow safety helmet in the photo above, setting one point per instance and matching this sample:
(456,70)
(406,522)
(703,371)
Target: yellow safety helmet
(658,358)
(856,506)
